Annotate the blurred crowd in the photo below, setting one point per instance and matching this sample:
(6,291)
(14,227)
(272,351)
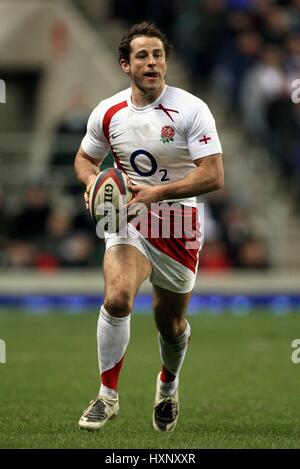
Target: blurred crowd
(49,233)
(250,49)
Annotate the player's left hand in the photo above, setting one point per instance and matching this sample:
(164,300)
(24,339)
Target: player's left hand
(144,194)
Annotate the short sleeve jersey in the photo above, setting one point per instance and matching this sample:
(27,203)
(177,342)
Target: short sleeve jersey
(155,144)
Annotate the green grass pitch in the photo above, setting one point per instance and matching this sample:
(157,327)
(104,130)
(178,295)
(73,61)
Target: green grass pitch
(239,387)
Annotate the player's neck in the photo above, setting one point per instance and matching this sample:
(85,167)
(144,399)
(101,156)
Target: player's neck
(141,98)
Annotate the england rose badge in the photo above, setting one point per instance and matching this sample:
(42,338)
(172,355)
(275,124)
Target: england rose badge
(167,134)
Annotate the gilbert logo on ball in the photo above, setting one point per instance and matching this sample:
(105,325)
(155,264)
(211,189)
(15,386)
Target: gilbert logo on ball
(2,92)
(107,196)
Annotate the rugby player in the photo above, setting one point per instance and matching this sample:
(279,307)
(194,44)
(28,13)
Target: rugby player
(165,140)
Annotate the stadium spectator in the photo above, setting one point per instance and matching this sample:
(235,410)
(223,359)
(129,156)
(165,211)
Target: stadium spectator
(214,257)
(19,253)
(253,254)
(283,117)
(68,134)
(262,83)
(64,245)
(30,223)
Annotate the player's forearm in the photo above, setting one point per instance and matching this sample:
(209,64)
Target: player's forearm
(199,181)
(85,168)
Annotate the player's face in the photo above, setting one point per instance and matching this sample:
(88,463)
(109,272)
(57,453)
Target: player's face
(147,65)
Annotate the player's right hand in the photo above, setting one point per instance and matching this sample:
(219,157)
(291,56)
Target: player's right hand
(88,189)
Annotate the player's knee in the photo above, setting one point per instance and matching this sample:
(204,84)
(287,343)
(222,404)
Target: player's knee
(118,304)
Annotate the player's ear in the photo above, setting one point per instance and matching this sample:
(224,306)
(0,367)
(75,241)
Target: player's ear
(124,65)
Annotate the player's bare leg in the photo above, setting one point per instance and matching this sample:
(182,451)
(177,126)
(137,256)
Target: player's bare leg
(125,269)
(173,335)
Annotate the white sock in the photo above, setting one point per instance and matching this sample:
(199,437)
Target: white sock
(113,337)
(172,355)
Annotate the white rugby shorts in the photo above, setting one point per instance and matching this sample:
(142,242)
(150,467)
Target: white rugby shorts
(174,259)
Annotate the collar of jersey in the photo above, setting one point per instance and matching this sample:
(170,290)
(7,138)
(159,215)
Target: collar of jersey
(149,106)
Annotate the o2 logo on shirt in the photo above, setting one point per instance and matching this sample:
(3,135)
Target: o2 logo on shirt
(134,163)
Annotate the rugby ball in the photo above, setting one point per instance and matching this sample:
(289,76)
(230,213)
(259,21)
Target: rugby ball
(108,193)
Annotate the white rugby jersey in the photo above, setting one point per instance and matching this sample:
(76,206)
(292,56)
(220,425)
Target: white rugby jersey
(155,144)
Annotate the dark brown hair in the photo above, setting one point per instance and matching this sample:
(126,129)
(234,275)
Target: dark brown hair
(141,29)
